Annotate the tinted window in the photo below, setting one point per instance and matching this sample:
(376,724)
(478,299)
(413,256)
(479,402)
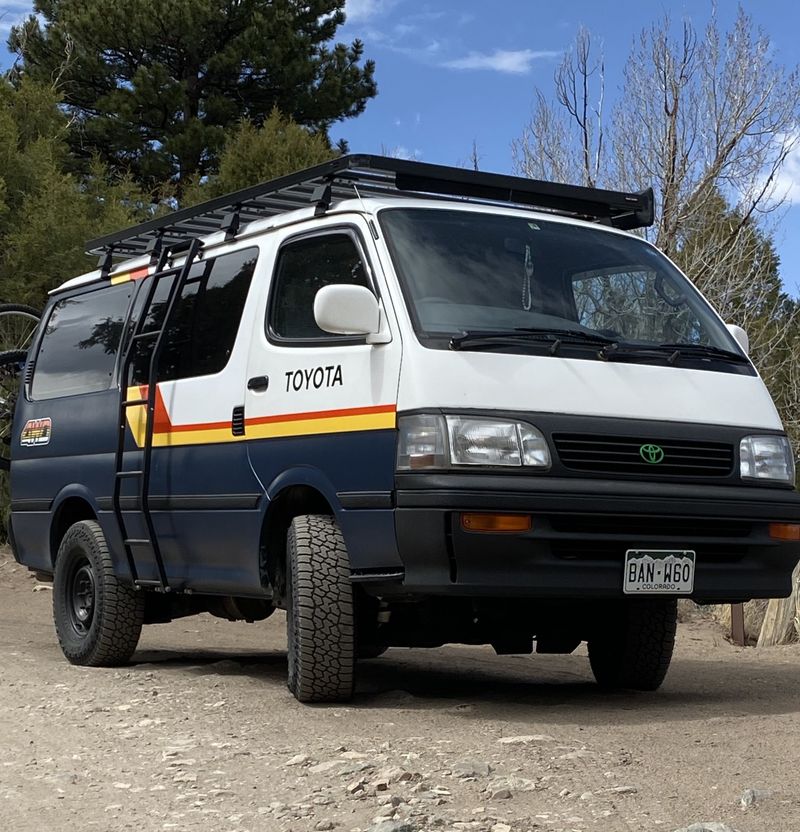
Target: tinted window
(204,324)
(80,343)
(304,267)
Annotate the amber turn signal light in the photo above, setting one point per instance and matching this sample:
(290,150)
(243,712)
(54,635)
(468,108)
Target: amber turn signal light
(784,531)
(496,522)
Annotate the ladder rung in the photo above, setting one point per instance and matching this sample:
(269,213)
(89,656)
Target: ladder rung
(122,474)
(141,335)
(137,541)
(131,402)
(142,582)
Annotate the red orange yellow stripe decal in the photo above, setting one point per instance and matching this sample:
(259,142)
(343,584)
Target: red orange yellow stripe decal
(124,277)
(165,434)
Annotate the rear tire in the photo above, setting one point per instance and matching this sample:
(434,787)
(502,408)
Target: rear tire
(633,647)
(98,619)
(320,619)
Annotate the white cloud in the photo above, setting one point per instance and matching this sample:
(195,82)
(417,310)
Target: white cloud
(787,182)
(16,7)
(501,60)
(402,152)
(360,10)
(12,13)
(784,186)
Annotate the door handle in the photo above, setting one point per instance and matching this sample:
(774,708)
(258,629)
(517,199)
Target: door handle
(258,384)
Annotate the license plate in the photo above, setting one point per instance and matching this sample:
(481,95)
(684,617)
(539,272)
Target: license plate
(659,572)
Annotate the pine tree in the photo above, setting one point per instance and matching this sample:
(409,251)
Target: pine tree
(46,213)
(152,85)
(252,155)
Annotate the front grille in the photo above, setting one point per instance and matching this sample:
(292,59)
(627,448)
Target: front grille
(623,455)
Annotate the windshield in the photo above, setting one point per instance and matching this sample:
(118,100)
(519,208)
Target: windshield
(470,272)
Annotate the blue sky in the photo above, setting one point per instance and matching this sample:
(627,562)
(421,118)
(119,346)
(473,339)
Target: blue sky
(456,71)
(453,72)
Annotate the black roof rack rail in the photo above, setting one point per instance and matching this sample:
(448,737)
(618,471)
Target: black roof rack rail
(375,175)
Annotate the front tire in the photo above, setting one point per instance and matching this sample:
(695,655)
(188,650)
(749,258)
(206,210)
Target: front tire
(633,646)
(98,620)
(320,618)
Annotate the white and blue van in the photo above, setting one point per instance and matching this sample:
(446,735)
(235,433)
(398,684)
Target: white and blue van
(408,404)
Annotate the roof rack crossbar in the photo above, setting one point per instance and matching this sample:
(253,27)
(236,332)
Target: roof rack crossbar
(318,187)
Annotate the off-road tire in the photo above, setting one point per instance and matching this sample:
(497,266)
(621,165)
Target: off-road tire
(633,646)
(320,617)
(108,636)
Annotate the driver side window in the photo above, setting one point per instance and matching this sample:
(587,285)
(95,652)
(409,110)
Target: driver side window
(303,267)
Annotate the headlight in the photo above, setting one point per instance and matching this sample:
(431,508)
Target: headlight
(766,458)
(422,443)
(428,441)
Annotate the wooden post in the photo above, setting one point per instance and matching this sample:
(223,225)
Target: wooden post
(737,625)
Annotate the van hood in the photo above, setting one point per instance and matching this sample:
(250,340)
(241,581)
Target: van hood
(433,378)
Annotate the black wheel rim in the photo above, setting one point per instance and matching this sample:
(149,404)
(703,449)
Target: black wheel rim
(82,598)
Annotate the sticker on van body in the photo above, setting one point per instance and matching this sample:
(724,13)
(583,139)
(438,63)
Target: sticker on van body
(36,432)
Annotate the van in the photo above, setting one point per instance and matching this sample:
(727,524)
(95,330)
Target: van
(409,405)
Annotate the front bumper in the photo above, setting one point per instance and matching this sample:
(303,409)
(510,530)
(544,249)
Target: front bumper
(581,531)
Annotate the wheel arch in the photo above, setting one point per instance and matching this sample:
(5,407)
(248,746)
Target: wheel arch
(73,504)
(295,492)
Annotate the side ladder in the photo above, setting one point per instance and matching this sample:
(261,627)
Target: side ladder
(142,473)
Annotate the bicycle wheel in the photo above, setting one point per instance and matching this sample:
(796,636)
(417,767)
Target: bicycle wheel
(17,325)
(12,366)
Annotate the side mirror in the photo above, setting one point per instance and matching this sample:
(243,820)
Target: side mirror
(344,309)
(741,337)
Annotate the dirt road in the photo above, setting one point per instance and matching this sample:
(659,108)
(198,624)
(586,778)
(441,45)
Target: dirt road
(200,733)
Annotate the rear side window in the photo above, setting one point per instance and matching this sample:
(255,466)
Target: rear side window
(304,267)
(80,343)
(202,332)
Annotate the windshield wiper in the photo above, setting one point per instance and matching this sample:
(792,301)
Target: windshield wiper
(675,352)
(555,337)
(706,349)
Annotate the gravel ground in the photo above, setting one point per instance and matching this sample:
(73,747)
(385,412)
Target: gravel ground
(200,733)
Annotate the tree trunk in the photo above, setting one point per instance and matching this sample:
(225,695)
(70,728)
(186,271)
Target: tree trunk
(778,626)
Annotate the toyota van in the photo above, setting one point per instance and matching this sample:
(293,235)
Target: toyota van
(409,405)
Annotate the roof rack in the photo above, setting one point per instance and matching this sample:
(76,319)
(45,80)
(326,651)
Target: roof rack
(374,175)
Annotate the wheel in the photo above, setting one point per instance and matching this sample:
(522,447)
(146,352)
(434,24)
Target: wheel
(98,619)
(12,364)
(320,619)
(17,325)
(633,646)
